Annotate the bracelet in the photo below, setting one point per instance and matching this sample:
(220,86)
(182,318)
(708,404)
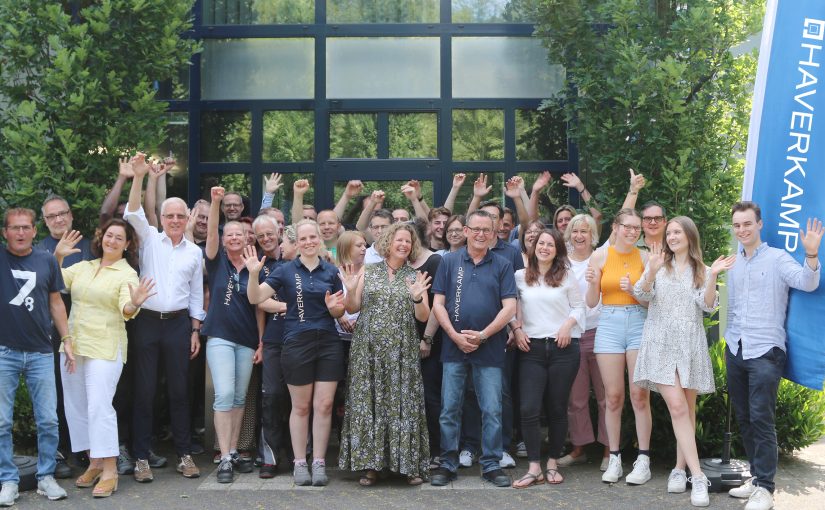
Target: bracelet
(196,330)
(428,339)
(814,256)
(632,192)
(420,300)
(65,337)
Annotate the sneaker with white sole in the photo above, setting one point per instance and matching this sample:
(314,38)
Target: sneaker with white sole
(761,499)
(677,481)
(699,490)
(48,487)
(9,494)
(614,469)
(521,450)
(466,458)
(744,491)
(568,460)
(506,461)
(641,471)
(604,464)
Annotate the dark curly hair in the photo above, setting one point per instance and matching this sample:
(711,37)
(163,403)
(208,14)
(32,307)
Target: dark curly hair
(132,242)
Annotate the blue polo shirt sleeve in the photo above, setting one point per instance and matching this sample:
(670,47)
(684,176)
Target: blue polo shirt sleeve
(440,280)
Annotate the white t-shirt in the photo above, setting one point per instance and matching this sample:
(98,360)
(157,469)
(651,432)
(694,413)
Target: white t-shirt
(544,309)
(579,269)
(372,256)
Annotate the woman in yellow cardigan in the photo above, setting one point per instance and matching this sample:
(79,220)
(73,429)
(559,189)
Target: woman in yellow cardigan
(105,293)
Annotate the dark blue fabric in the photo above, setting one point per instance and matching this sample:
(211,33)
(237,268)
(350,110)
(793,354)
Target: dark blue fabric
(473,295)
(229,316)
(49,243)
(509,252)
(304,291)
(274,325)
(25,285)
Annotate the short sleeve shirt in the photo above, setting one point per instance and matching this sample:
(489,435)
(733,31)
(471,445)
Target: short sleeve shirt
(472,296)
(304,291)
(229,316)
(509,252)
(274,325)
(25,285)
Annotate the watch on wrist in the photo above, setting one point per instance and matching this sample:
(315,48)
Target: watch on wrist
(196,330)
(483,338)
(428,339)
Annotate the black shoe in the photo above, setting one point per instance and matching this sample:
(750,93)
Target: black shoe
(497,477)
(63,469)
(197,449)
(225,472)
(267,471)
(240,465)
(442,476)
(157,461)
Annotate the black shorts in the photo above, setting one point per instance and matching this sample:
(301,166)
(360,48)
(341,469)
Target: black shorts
(315,355)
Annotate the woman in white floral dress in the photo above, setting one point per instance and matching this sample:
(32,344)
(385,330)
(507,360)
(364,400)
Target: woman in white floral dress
(673,357)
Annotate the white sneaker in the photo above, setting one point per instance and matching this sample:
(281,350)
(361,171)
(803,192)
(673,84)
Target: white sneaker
(8,494)
(521,450)
(641,471)
(614,469)
(466,458)
(568,460)
(604,464)
(506,461)
(48,487)
(699,490)
(744,491)
(677,481)
(761,499)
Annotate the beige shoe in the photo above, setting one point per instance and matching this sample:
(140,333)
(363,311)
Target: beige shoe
(187,467)
(568,460)
(143,473)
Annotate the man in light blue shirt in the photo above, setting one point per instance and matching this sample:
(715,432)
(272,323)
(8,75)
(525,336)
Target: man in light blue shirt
(758,287)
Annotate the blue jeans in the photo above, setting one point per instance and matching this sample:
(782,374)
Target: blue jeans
(487,382)
(231,367)
(38,369)
(471,424)
(752,385)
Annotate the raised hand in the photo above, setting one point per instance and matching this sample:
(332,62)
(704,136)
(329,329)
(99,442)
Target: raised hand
(592,275)
(66,245)
(542,181)
(273,183)
(334,300)
(458,180)
(416,186)
(353,188)
(378,197)
(572,180)
(156,169)
(656,259)
(250,259)
(723,263)
(480,188)
(812,237)
(124,168)
(142,292)
(350,277)
(140,167)
(512,188)
(300,187)
(419,287)
(217,193)
(637,181)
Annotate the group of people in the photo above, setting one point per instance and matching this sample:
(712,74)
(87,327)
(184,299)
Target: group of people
(444,338)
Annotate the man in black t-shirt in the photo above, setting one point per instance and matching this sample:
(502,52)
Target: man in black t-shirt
(30,285)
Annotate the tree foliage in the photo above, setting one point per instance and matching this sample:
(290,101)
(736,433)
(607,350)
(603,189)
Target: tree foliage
(77,91)
(653,86)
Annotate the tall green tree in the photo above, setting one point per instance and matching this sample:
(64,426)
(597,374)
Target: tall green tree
(77,90)
(653,85)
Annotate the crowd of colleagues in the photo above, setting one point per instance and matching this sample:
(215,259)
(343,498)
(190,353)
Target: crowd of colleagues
(427,344)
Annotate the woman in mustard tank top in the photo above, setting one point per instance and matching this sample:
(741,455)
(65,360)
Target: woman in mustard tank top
(611,275)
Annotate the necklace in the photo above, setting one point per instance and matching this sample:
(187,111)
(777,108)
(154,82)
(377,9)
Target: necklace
(391,269)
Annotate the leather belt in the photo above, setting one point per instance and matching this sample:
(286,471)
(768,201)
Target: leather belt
(164,315)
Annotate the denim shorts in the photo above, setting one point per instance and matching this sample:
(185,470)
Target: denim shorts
(620,329)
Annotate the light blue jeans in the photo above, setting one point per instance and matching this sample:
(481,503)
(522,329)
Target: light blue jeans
(487,382)
(38,369)
(231,367)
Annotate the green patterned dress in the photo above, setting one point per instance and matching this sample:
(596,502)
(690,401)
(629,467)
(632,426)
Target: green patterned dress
(385,426)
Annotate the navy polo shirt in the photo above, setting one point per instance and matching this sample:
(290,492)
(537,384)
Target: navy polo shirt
(473,295)
(229,316)
(509,252)
(304,291)
(274,325)
(49,243)
(25,285)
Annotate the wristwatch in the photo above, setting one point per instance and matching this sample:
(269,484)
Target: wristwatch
(428,339)
(196,330)
(482,338)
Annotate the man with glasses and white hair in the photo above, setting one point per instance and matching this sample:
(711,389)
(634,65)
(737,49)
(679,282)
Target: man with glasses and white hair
(168,325)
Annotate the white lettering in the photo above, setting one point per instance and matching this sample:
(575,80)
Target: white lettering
(457,307)
(802,118)
(299,297)
(22,297)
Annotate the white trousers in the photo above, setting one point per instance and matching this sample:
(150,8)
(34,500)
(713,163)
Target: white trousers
(87,399)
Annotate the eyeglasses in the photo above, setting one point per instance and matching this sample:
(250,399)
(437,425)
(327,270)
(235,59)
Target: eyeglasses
(266,235)
(631,228)
(378,227)
(20,228)
(61,214)
(532,231)
(477,230)
(455,231)
(653,219)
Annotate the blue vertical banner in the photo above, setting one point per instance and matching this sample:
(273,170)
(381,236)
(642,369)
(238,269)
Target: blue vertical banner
(785,162)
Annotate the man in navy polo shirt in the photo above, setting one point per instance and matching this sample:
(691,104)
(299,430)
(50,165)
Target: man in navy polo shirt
(475,297)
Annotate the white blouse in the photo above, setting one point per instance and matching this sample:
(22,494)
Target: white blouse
(544,309)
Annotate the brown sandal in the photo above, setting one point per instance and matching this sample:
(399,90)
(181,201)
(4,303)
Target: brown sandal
(533,479)
(553,476)
(105,488)
(368,479)
(89,478)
